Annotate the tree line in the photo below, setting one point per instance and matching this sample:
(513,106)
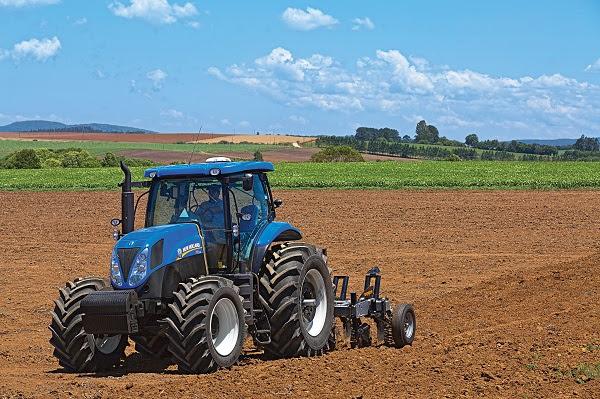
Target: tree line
(389,141)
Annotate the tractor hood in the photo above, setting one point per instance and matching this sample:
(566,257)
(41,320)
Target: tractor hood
(171,233)
(165,245)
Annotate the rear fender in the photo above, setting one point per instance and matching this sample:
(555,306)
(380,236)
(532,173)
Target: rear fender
(273,232)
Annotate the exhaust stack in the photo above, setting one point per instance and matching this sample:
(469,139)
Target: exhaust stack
(127,209)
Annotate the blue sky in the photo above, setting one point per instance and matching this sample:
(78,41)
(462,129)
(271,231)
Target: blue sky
(508,69)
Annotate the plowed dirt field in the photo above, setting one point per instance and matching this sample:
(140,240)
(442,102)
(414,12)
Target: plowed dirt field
(506,286)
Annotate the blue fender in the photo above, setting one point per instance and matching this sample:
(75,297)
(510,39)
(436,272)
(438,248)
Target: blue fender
(272,232)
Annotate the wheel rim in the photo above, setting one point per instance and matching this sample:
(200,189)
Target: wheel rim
(107,344)
(314,302)
(408,325)
(224,326)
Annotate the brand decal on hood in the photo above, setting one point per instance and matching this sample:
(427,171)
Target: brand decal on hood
(195,247)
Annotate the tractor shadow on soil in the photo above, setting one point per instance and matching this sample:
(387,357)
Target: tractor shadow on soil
(137,363)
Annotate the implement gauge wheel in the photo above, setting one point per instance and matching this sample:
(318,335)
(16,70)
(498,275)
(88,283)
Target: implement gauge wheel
(403,326)
(206,325)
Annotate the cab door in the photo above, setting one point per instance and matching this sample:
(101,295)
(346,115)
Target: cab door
(249,209)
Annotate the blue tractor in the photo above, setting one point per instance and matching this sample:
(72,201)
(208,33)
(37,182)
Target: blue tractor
(210,266)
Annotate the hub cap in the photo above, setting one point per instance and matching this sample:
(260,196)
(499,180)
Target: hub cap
(224,326)
(107,344)
(408,325)
(314,302)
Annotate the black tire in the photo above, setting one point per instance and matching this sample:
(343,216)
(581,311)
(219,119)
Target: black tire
(75,350)
(282,281)
(403,326)
(155,346)
(191,327)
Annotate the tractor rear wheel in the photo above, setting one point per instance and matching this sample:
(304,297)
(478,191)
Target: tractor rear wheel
(296,291)
(76,350)
(206,324)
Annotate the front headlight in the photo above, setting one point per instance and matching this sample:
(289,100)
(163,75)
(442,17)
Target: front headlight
(139,268)
(115,270)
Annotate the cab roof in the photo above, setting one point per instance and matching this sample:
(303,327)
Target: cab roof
(203,169)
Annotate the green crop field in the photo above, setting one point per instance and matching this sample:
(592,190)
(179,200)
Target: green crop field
(102,147)
(384,175)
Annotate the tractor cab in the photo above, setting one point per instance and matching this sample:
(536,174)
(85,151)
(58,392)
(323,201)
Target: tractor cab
(200,219)
(227,210)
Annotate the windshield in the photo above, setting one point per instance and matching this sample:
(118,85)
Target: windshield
(200,200)
(188,200)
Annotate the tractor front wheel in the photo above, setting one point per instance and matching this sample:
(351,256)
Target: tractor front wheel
(155,346)
(206,325)
(76,350)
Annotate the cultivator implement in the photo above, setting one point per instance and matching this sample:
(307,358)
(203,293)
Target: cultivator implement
(395,327)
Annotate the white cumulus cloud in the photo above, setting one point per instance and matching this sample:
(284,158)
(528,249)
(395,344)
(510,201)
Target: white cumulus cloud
(310,19)
(155,11)
(25,3)
(172,113)
(405,73)
(157,77)
(365,23)
(37,49)
(391,83)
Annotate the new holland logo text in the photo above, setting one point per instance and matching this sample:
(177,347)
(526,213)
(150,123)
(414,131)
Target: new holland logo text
(181,252)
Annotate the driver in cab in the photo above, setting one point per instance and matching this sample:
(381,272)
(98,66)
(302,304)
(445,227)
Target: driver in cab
(210,212)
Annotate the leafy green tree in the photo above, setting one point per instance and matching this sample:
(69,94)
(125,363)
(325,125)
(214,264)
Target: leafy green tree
(587,144)
(51,163)
(371,133)
(258,155)
(421,132)
(434,134)
(109,160)
(426,134)
(23,159)
(471,140)
(79,159)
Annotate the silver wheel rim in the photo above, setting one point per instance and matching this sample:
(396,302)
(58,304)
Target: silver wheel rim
(408,325)
(314,302)
(224,326)
(107,344)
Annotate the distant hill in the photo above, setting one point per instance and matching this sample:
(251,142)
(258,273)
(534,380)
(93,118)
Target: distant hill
(49,126)
(555,142)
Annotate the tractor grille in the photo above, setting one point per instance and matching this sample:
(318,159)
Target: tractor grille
(126,257)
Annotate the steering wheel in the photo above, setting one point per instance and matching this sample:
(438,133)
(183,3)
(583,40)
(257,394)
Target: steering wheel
(202,214)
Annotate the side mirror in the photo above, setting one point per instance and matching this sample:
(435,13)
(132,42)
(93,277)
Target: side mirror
(277,203)
(247,182)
